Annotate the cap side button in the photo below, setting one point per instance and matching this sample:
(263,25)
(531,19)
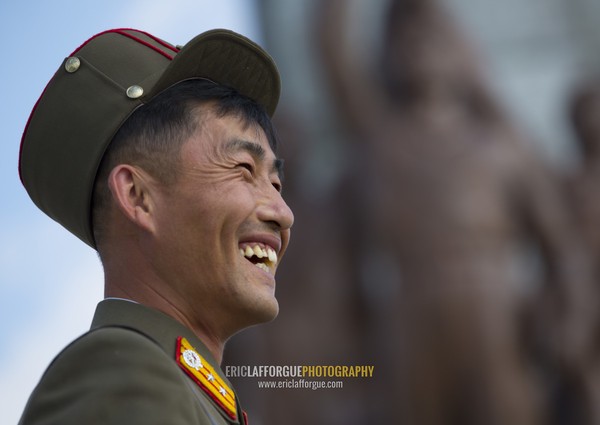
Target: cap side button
(134,92)
(72,64)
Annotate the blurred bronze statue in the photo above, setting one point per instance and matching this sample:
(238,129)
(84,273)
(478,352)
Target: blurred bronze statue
(584,188)
(463,227)
(585,116)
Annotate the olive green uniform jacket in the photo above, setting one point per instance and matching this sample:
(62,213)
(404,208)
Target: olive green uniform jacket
(125,370)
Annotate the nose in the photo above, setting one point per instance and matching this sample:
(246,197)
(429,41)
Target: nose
(276,210)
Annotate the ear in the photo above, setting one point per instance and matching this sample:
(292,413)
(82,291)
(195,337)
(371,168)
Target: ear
(131,189)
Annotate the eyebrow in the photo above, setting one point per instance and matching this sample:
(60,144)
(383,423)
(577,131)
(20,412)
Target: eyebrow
(256,151)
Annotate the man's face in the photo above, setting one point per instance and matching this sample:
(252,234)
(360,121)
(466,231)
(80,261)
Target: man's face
(223,227)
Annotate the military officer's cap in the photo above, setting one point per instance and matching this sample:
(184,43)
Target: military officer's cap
(98,87)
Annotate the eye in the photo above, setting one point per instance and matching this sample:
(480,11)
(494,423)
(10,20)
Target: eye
(247,166)
(277,186)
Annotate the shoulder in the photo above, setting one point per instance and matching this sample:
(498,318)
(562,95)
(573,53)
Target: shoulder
(111,375)
(108,353)
(108,345)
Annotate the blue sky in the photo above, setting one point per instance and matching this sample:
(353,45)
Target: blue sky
(50,282)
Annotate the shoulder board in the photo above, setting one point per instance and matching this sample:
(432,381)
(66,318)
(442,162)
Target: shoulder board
(205,376)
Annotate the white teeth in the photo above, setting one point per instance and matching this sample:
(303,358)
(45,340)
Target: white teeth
(267,253)
(272,255)
(263,266)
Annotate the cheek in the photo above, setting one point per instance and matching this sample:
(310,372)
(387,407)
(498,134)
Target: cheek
(184,224)
(210,225)
(202,217)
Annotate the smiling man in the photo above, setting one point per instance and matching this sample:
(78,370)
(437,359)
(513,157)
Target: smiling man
(164,160)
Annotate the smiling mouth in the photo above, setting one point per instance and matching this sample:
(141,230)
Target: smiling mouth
(262,256)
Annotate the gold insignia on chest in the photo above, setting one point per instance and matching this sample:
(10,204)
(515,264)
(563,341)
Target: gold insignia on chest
(205,376)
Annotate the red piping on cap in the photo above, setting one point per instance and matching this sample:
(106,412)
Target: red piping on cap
(139,40)
(122,31)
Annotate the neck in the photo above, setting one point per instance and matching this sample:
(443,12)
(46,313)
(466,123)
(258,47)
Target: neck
(132,278)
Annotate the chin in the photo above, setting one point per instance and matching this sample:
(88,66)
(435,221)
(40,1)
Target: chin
(262,311)
(256,315)
(268,311)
